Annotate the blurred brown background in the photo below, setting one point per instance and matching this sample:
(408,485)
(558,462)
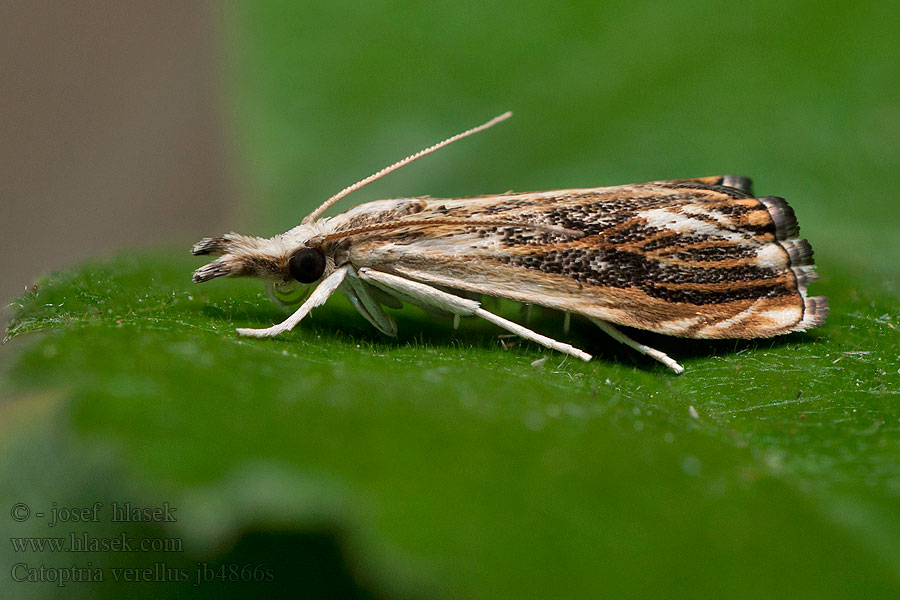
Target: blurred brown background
(111,131)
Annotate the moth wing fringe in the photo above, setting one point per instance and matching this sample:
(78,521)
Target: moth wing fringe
(800,260)
(799,252)
(815,311)
(738,182)
(805,275)
(800,257)
(783,216)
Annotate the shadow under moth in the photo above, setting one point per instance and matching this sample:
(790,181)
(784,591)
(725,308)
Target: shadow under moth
(694,258)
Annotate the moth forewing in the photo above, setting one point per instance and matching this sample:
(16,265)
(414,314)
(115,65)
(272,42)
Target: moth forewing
(698,258)
(685,258)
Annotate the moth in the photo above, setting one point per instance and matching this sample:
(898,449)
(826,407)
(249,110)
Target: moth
(693,258)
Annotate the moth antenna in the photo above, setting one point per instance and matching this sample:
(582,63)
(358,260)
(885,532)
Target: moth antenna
(401,163)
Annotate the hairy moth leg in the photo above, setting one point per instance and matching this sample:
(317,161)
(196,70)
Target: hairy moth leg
(324,291)
(420,293)
(651,352)
(360,295)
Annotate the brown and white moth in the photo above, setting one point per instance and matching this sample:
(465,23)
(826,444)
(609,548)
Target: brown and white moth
(694,258)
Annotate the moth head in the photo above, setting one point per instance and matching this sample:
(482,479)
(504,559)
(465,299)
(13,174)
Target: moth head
(294,256)
(282,260)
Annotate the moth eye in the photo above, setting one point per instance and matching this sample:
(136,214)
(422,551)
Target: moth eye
(307,265)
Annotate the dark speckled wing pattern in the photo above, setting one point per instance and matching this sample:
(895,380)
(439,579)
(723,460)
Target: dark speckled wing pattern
(696,258)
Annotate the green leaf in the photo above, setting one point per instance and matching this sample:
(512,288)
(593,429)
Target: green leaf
(441,463)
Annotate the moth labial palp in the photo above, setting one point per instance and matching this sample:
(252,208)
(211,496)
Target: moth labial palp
(695,258)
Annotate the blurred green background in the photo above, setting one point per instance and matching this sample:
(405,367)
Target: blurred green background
(441,464)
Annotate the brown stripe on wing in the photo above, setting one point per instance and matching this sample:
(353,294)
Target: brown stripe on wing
(739,273)
(613,268)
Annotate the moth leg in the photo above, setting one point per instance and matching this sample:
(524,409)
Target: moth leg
(420,293)
(651,352)
(359,294)
(528,334)
(317,298)
(382,297)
